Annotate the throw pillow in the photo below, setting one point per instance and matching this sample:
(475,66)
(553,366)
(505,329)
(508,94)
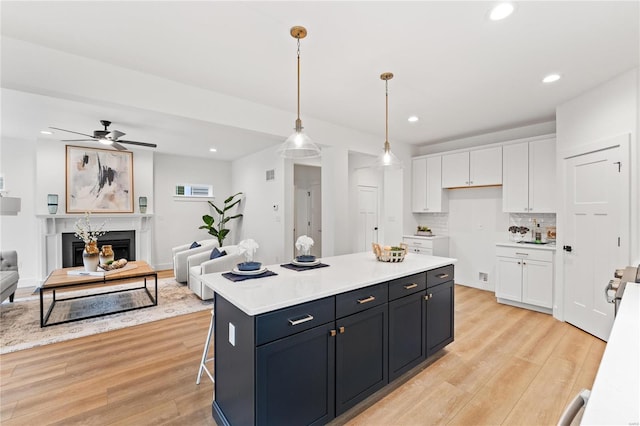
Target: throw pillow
(194,245)
(215,253)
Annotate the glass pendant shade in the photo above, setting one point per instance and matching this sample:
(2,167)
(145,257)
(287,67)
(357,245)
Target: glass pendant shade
(299,146)
(387,160)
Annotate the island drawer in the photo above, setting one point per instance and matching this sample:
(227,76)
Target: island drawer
(361,299)
(439,275)
(407,285)
(285,322)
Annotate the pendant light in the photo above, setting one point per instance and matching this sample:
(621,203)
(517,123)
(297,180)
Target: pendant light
(387,160)
(299,145)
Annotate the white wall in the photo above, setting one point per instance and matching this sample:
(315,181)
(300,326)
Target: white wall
(21,232)
(176,220)
(476,223)
(263,205)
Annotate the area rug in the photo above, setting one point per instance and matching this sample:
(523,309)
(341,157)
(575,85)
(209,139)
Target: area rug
(20,320)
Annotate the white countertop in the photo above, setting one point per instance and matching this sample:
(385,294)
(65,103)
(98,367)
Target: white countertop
(433,237)
(345,273)
(550,247)
(615,397)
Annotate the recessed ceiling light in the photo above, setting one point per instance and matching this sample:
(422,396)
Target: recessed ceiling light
(551,78)
(46,132)
(413,119)
(501,11)
(213,150)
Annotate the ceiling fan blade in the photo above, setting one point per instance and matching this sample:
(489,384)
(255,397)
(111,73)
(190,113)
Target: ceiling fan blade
(71,131)
(77,140)
(119,147)
(150,145)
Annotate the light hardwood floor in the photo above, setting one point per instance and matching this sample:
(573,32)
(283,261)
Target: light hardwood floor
(507,366)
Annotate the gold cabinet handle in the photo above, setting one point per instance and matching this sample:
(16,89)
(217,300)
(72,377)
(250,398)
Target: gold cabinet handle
(341,329)
(367,300)
(410,286)
(443,276)
(333,333)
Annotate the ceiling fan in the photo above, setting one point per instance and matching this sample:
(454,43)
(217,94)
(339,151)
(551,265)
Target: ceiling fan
(106,136)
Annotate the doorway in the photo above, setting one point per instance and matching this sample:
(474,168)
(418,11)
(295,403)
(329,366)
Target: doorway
(308,206)
(596,240)
(367,217)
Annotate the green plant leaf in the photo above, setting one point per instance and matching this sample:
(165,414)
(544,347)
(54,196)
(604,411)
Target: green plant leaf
(232,197)
(208,219)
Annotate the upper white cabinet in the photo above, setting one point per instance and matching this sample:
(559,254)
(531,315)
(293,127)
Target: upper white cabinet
(481,167)
(529,177)
(427,193)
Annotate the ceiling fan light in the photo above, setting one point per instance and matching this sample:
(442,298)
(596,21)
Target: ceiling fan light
(105,141)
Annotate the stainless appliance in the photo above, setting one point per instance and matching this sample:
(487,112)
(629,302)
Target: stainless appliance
(615,288)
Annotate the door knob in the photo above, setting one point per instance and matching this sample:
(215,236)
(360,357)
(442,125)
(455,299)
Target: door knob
(375,229)
(567,248)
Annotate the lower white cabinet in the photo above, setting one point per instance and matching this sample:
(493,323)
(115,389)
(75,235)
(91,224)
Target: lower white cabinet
(431,246)
(525,276)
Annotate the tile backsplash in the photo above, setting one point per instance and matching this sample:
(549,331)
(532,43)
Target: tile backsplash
(438,222)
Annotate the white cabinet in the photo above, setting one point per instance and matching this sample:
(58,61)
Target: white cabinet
(480,167)
(433,246)
(427,193)
(525,276)
(529,177)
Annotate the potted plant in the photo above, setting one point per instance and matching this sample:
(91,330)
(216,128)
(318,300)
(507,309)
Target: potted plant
(221,232)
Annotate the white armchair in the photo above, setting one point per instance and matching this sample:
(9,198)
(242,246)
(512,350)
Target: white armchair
(181,253)
(200,264)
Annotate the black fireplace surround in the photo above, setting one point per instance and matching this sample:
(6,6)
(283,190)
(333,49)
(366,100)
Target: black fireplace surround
(123,243)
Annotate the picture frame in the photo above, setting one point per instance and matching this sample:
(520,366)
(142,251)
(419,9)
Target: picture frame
(98,180)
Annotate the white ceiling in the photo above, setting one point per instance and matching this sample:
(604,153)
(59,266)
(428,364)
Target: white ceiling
(461,73)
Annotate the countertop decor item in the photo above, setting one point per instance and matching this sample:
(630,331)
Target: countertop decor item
(303,245)
(424,231)
(390,253)
(299,145)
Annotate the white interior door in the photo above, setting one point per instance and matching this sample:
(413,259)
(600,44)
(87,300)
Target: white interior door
(315,219)
(597,232)
(367,216)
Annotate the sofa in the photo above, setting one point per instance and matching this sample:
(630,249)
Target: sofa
(200,264)
(9,276)
(182,252)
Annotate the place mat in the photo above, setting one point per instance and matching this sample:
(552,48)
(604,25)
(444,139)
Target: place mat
(233,277)
(303,268)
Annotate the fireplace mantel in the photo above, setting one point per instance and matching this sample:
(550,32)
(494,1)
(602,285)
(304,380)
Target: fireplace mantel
(52,226)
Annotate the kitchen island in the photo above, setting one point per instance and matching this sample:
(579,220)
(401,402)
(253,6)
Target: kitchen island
(304,347)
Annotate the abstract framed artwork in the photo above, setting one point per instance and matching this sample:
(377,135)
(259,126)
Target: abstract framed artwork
(99,180)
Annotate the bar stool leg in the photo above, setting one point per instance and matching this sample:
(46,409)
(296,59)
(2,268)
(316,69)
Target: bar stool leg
(203,362)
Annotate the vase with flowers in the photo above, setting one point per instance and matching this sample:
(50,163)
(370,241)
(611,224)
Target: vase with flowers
(89,235)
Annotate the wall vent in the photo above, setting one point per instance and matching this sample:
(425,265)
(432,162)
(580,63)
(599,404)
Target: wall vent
(271,174)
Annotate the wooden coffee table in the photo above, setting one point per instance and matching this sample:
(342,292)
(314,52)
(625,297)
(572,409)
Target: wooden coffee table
(60,279)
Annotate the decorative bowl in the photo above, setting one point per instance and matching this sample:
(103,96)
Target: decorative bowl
(306,258)
(249,266)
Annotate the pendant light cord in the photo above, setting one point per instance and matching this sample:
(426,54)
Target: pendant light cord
(386,117)
(298,77)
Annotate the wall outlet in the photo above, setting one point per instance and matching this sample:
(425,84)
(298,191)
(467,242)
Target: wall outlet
(483,276)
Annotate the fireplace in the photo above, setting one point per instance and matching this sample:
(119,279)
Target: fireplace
(123,242)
